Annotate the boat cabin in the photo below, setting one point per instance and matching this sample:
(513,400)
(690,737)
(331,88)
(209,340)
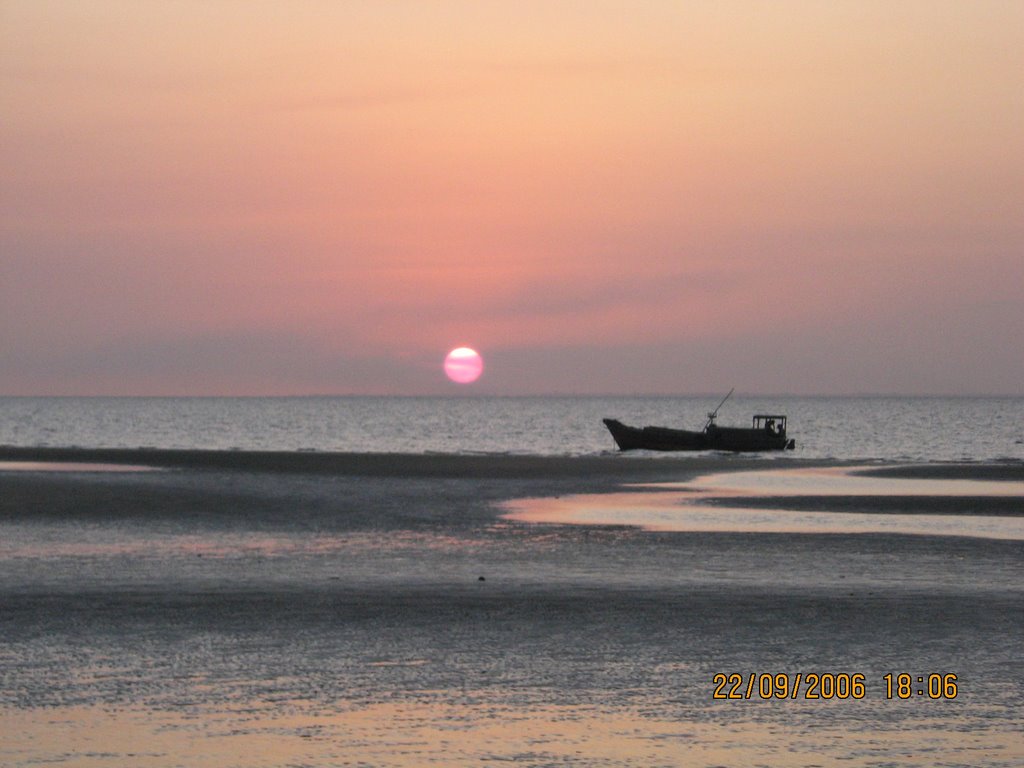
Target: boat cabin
(772,424)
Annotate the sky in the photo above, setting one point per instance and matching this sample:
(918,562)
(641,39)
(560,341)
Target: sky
(239,197)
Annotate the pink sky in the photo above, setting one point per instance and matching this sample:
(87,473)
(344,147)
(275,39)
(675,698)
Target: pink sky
(600,197)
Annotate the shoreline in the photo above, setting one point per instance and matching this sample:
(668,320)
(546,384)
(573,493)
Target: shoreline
(613,467)
(496,464)
(414,465)
(686,493)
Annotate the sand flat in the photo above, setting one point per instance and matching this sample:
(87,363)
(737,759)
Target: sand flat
(274,610)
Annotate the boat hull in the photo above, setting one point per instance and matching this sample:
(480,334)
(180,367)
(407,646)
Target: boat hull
(714,438)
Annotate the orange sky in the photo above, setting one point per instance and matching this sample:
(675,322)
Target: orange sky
(314,197)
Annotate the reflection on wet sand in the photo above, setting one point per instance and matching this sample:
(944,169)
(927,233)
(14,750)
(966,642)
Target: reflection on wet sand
(412,734)
(267,618)
(756,502)
(70,466)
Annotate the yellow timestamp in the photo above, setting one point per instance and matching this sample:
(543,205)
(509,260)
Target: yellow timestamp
(826,686)
(932,686)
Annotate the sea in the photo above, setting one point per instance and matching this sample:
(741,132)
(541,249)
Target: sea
(249,618)
(906,429)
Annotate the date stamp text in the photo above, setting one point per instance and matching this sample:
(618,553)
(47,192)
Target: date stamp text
(812,686)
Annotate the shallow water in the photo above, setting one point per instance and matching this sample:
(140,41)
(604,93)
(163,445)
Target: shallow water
(416,733)
(734,502)
(235,618)
(69,466)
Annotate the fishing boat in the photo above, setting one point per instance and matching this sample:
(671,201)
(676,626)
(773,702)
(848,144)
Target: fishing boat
(766,433)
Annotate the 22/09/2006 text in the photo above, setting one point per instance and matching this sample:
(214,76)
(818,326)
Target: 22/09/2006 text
(830,685)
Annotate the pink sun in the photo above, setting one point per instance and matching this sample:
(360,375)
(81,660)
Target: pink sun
(463,365)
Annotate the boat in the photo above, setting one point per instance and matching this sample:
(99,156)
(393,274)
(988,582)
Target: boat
(766,433)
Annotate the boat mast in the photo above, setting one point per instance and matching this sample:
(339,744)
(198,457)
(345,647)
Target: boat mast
(714,414)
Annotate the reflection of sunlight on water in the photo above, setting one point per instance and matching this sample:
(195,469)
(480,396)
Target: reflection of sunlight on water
(70,466)
(472,732)
(838,481)
(683,506)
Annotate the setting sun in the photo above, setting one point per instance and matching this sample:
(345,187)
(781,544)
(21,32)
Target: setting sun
(463,365)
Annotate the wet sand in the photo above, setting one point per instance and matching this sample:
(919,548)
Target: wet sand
(613,467)
(315,609)
(618,467)
(970,500)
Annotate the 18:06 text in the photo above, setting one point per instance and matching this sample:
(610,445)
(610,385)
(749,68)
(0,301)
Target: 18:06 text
(830,685)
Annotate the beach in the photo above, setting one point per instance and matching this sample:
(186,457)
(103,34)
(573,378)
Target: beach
(528,385)
(283,608)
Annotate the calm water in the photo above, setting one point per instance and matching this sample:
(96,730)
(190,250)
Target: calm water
(219,618)
(888,428)
(215,618)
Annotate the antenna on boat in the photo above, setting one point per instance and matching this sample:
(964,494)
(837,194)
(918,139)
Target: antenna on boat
(712,415)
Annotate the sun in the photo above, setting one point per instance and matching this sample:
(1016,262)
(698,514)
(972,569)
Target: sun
(463,365)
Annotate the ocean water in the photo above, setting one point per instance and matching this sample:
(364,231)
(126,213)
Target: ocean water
(216,617)
(854,428)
